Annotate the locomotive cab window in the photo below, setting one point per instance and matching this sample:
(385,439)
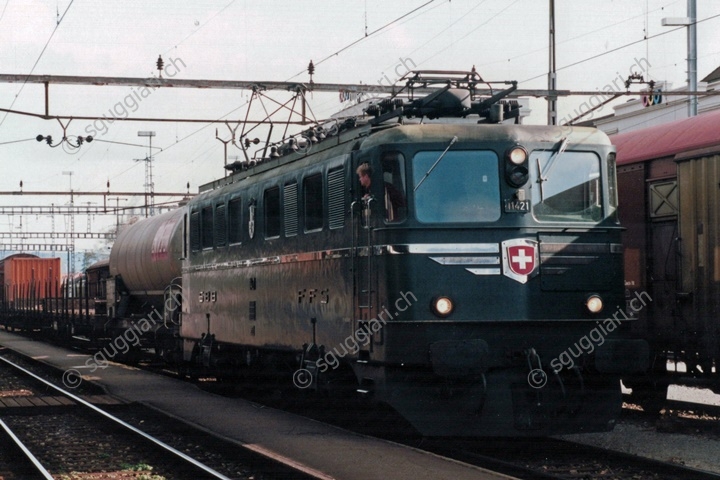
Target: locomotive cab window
(571,193)
(393,171)
(462,187)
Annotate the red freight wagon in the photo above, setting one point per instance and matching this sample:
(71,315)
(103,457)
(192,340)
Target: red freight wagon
(669,202)
(29,277)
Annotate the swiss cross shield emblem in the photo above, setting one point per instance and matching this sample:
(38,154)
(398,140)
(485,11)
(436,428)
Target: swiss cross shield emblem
(520,259)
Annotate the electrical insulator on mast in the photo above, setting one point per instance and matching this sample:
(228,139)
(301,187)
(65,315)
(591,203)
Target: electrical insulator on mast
(311,70)
(160,64)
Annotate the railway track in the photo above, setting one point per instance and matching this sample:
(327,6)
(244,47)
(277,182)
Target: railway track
(281,463)
(30,408)
(553,459)
(26,465)
(90,426)
(549,459)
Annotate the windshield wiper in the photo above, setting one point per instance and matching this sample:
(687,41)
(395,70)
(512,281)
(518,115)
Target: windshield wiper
(542,174)
(452,142)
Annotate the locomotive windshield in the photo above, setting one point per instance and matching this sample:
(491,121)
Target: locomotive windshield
(463,187)
(569,189)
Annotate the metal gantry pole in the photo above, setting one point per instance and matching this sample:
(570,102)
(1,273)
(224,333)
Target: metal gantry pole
(692,57)
(552,73)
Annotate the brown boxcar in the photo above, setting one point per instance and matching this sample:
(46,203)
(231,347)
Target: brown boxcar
(669,191)
(29,277)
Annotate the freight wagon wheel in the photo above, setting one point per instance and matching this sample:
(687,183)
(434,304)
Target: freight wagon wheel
(183,370)
(650,395)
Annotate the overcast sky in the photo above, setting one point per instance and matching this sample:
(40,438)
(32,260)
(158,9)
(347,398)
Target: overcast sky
(275,40)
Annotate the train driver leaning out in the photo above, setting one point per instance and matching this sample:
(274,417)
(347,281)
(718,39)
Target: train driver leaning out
(394,198)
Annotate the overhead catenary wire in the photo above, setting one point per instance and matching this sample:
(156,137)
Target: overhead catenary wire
(367,35)
(620,48)
(18,141)
(572,39)
(471,31)
(407,17)
(4,8)
(200,27)
(42,52)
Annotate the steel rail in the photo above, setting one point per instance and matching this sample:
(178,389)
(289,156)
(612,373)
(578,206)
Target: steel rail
(26,451)
(126,425)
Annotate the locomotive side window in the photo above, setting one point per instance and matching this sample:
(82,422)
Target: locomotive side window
(313,200)
(291,209)
(272,212)
(235,220)
(195,231)
(336,198)
(393,168)
(207,227)
(464,186)
(571,193)
(220,225)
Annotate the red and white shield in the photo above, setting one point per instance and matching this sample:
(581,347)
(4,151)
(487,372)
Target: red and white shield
(520,258)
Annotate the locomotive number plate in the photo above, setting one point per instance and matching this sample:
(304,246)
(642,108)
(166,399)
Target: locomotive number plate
(517,206)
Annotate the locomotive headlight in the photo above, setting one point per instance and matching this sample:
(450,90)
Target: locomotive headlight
(516,166)
(517,155)
(442,306)
(594,304)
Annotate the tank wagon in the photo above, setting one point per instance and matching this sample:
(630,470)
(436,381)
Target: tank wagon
(467,272)
(144,281)
(668,185)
